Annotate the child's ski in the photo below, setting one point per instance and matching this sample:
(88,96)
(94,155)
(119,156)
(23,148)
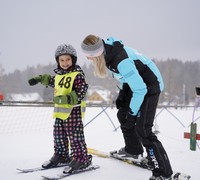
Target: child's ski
(62,175)
(38,169)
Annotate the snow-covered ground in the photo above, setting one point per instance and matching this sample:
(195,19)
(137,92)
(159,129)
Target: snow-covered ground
(26,141)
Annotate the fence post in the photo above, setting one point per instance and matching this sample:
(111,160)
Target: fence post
(193,133)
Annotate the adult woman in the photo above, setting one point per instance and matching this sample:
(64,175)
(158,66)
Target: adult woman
(144,80)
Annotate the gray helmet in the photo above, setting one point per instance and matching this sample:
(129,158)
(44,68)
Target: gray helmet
(66,49)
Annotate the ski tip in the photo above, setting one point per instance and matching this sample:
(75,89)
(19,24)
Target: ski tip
(21,171)
(29,170)
(45,178)
(182,176)
(49,178)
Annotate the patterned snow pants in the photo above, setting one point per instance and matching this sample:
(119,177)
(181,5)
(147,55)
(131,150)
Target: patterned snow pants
(69,137)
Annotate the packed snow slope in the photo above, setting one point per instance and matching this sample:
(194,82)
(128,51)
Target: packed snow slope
(27,141)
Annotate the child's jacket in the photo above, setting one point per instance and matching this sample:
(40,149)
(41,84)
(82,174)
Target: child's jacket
(64,82)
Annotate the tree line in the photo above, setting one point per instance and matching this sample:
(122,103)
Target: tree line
(180,80)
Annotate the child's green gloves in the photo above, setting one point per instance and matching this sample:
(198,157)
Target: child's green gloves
(43,79)
(70,98)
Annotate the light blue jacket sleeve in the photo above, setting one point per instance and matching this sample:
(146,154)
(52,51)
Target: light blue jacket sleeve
(131,76)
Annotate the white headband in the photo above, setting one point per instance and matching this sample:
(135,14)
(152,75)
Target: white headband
(93,50)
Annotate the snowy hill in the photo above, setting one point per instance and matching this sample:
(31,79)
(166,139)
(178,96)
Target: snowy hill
(30,143)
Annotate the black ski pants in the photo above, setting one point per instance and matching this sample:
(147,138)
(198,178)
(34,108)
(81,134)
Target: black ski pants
(141,134)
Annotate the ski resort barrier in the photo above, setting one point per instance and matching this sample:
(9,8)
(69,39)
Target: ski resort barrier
(11,121)
(193,136)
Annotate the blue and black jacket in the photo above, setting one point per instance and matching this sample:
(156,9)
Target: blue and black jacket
(129,66)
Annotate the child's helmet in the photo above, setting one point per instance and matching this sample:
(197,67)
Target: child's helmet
(66,49)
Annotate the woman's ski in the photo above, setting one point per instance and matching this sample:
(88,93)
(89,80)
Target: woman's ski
(176,175)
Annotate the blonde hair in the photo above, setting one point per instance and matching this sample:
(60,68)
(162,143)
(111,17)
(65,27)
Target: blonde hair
(99,61)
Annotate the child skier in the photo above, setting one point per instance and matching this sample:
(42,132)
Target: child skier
(70,90)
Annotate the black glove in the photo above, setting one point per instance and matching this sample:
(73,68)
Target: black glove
(130,123)
(34,81)
(43,79)
(120,101)
(124,96)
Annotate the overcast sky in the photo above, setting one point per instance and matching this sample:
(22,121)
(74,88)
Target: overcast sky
(31,30)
